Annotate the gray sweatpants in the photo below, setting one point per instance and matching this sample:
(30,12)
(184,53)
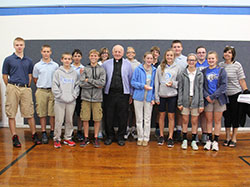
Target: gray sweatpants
(64,111)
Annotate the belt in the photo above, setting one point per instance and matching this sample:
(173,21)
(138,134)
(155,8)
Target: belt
(45,88)
(19,84)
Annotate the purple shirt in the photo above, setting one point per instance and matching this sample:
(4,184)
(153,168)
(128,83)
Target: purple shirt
(126,72)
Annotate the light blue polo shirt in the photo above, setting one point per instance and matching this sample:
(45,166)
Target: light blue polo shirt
(44,73)
(77,69)
(181,61)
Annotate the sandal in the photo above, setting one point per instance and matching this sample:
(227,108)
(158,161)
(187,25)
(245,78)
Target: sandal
(226,142)
(232,144)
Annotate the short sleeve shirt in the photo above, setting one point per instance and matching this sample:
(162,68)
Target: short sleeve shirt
(181,61)
(234,74)
(18,69)
(212,75)
(203,65)
(44,73)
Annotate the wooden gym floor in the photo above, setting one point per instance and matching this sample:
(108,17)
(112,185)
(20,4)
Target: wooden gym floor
(131,165)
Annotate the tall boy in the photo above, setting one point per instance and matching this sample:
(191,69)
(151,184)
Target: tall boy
(181,60)
(65,89)
(17,76)
(42,75)
(92,81)
(202,63)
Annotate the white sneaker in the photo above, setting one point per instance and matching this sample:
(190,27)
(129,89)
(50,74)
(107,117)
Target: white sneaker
(215,146)
(194,145)
(184,144)
(207,146)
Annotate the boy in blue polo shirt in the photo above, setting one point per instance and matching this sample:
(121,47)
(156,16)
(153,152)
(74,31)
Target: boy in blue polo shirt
(42,75)
(17,76)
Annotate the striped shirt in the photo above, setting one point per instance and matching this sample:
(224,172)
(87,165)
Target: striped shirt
(234,74)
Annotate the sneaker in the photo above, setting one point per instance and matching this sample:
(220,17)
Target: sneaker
(170,143)
(16,142)
(215,146)
(84,142)
(157,132)
(79,136)
(184,144)
(161,140)
(145,143)
(139,142)
(133,132)
(57,144)
(45,139)
(51,134)
(204,138)
(194,145)
(96,143)
(36,139)
(128,132)
(208,145)
(69,142)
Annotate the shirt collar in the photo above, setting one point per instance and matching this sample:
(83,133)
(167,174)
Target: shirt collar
(120,60)
(191,73)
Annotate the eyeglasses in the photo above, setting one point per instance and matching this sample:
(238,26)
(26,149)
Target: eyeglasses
(191,60)
(131,52)
(201,52)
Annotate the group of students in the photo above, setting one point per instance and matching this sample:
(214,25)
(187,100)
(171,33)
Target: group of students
(179,85)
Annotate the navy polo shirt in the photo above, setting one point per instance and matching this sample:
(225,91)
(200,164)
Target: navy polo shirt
(18,69)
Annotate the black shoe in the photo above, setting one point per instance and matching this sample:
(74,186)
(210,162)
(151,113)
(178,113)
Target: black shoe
(108,141)
(45,139)
(80,136)
(170,143)
(161,140)
(84,142)
(121,142)
(51,134)
(16,142)
(36,139)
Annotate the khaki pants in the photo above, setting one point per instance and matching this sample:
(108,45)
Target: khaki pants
(44,102)
(22,96)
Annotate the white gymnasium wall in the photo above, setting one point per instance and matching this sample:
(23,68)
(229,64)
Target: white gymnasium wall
(129,26)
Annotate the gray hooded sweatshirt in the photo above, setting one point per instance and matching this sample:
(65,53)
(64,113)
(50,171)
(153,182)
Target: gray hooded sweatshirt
(92,90)
(65,85)
(171,73)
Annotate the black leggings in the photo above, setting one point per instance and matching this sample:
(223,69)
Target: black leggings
(231,115)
